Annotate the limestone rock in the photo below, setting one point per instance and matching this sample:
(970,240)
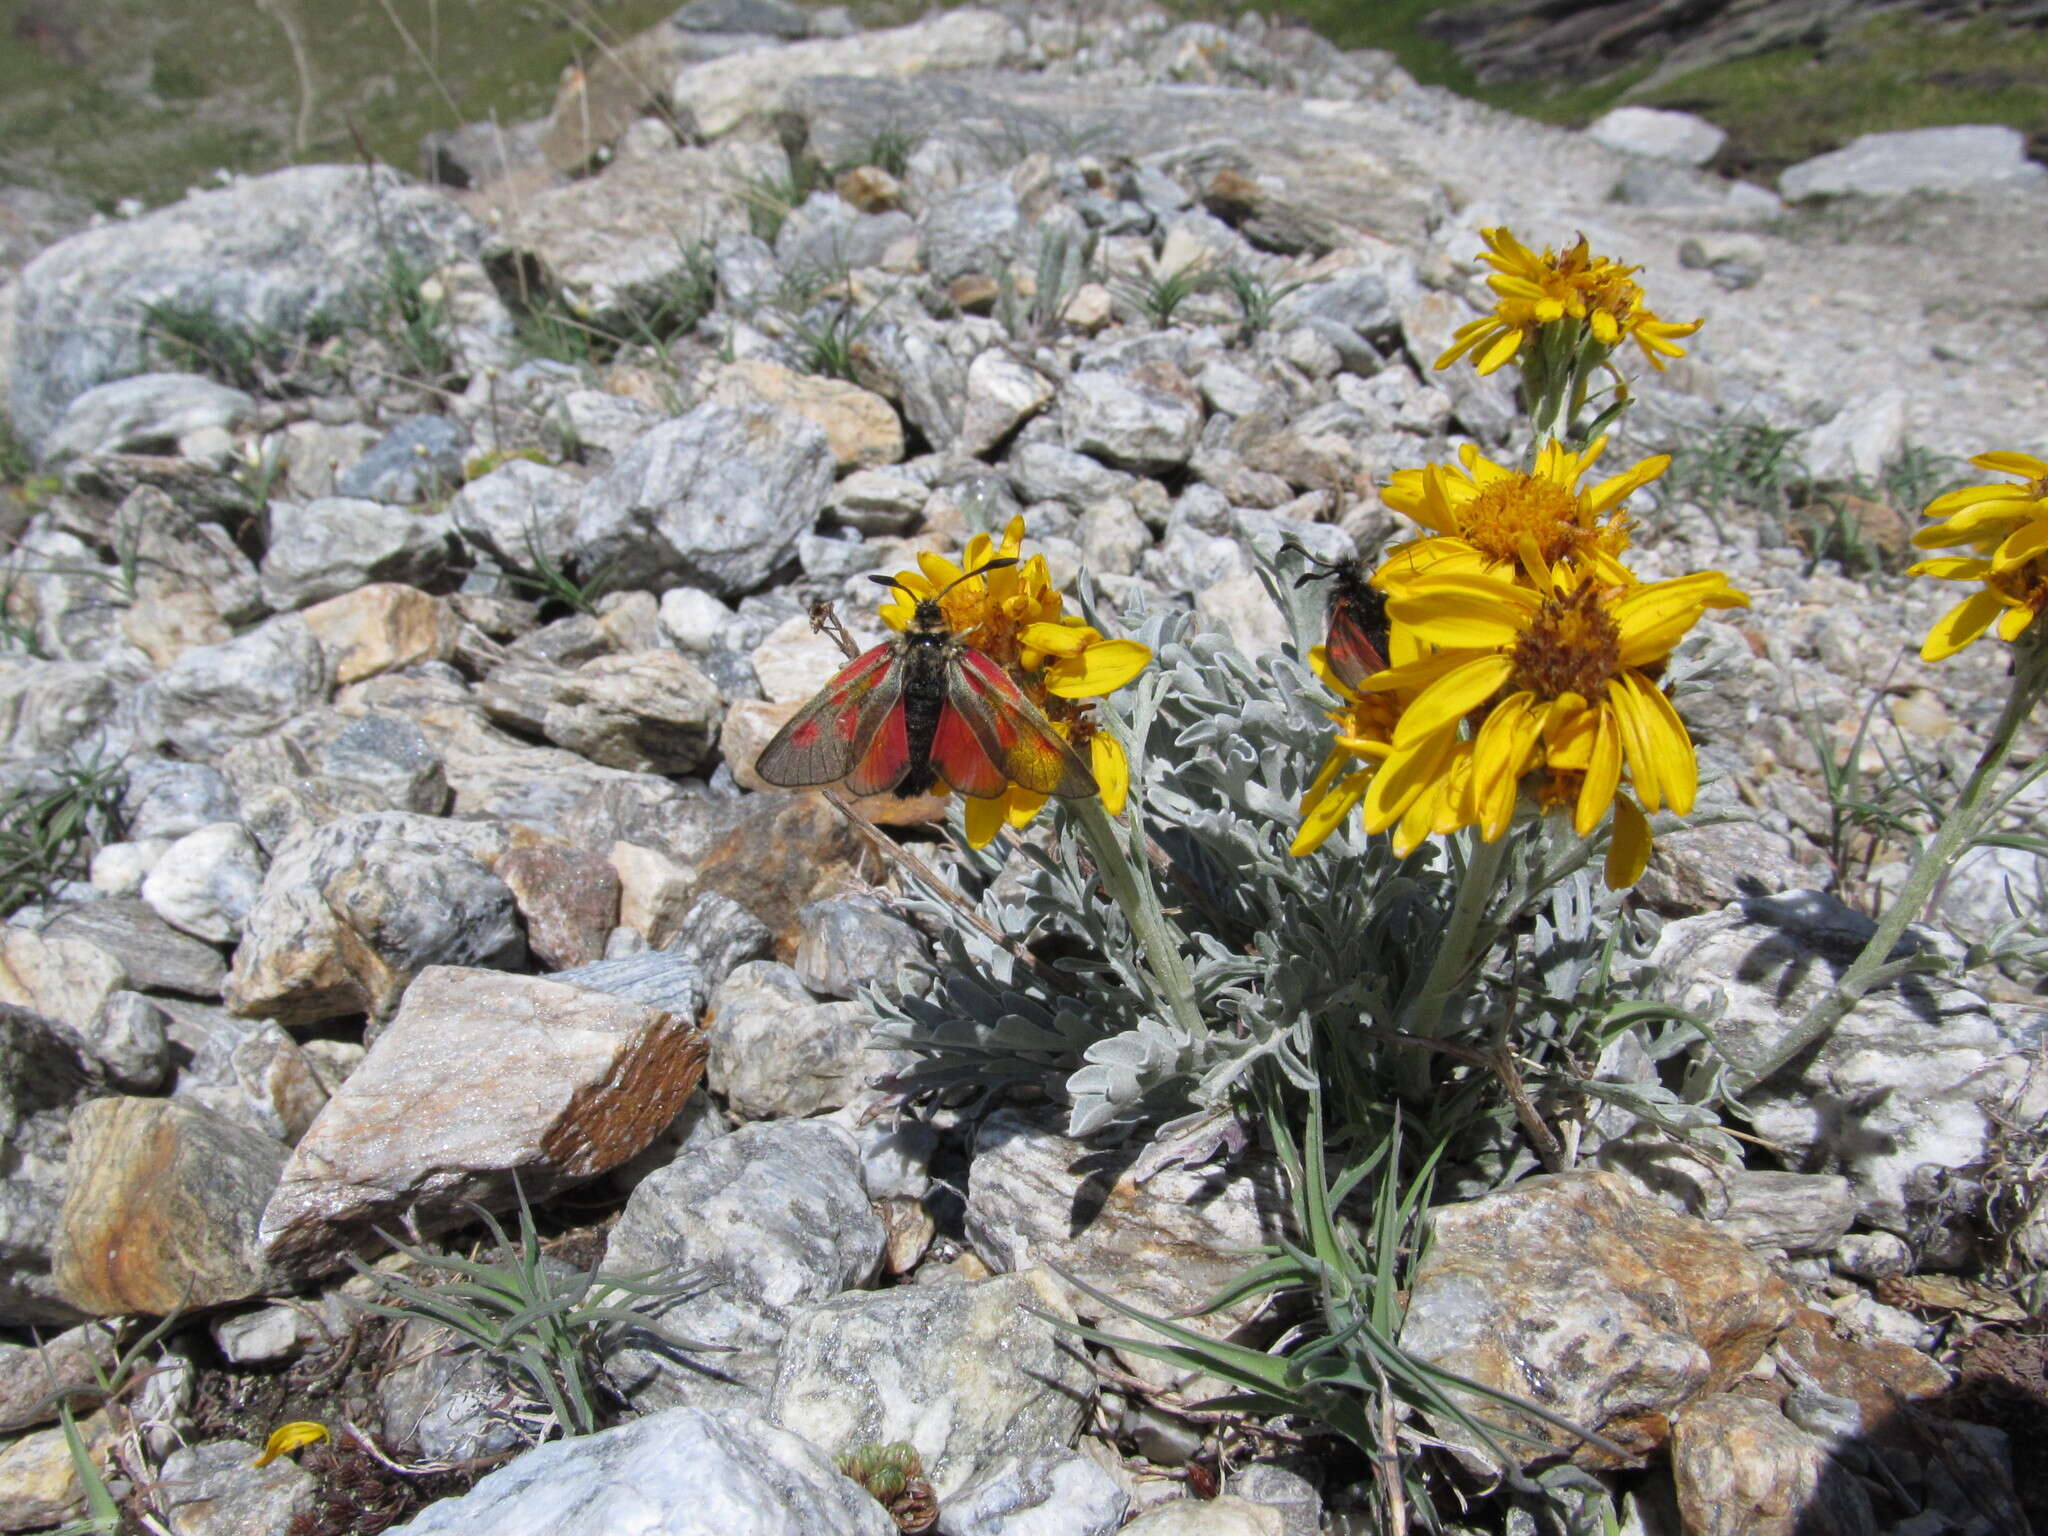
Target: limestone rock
(150,409)
(1127,423)
(1574,1292)
(773,1217)
(1743,1469)
(777,1053)
(325,549)
(419,459)
(266,253)
(860,426)
(67,979)
(965,1373)
(1657,134)
(1918,160)
(1036,1197)
(713,499)
(216,695)
(1224,1515)
(724,92)
(1062,1491)
(1916,1075)
(206,882)
(162,1208)
(1002,394)
(686,1472)
(849,942)
(521,514)
(479,1077)
(216,1489)
(383,627)
(351,911)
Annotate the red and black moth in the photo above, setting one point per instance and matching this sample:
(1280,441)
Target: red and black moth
(922,707)
(1356,617)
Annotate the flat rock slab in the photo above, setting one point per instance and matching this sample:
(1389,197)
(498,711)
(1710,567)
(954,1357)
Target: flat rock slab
(153,953)
(479,1079)
(1166,1246)
(974,1376)
(162,1206)
(1597,1303)
(685,1472)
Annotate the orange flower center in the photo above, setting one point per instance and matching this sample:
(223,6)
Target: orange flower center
(1571,646)
(1518,507)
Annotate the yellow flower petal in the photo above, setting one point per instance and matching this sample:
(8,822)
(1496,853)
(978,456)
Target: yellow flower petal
(1628,846)
(1103,668)
(1112,771)
(1328,814)
(984,819)
(1451,697)
(287,1438)
(1961,625)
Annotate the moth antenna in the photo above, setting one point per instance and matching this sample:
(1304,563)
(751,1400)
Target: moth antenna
(891,581)
(986,565)
(1319,567)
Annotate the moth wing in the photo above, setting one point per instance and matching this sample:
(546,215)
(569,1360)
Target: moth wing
(887,755)
(1008,734)
(1353,656)
(825,740)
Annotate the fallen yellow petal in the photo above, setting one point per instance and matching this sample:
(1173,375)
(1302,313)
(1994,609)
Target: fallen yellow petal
(287,1438)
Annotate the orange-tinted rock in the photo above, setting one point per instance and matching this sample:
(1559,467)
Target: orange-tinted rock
(381,628)
(1743,1469)
(161,1208)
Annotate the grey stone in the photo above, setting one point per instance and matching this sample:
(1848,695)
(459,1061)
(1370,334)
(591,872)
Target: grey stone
(664,979)
(176,554)
(147,413)
(1917,1076)
(1656,133)
(167,798)
(251,1072)
(324,764)
(261,1336)
(772,1217)
(877,501)
(52,709)
(1861,440)
(215,1489)
(1283,1489)
(691,618)
(644,712)
(1124,422)
(63,1367)
(45,1072)
(322,549)
(1002,394)
(1486,406)
(970,230)
(776,1052)
(151,952)
(851,941)
(480,1079)
(720,935)
(269,254)
(216,695)
(1038,1197)
(1057,1493)
(419,459)
(1919,160)
(1224,1515)
(444,1401)
(607,423)
(921,365)
(1359,300)
(974,1376)
(129,1042)
(477,154)
(777,18)
(714,499)
(206,882)
(823,237)
(685,1472)
(351,911)
(118,869)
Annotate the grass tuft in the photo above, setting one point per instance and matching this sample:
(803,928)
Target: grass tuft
(48,835)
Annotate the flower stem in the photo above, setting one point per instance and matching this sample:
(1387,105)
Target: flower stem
(1423,1013)
(1126,875)
(1965,820)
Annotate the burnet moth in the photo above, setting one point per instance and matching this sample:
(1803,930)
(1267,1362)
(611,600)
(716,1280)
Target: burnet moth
(922,707)
(1355,639)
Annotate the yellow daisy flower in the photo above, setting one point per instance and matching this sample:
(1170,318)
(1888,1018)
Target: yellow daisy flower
(2006,529)
(1484,516)
(1534,291)
(1559,686)
(1016,617)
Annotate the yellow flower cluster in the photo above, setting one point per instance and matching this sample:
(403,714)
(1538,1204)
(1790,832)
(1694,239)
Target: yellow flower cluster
(2005,529)
(1015,616)
(1522,655)
(1537,294)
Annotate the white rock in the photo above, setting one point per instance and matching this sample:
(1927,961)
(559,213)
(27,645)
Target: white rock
(795,661)
(691,619)
(207,881)
(1863,438)
(118,869)
(1002,394)
(685,1472)
(1658,134)
(1225,1515)
(1919,160)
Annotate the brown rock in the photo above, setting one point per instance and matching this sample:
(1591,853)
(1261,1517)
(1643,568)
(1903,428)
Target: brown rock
(481,1078)
(1743,1469)
(166,626)
(1877,1373)
(381,628)
(788,852)
(861,427)
(974,294)
(870,189)
(1578,1294)
(161,1208)
(568,899)
(65,1368)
